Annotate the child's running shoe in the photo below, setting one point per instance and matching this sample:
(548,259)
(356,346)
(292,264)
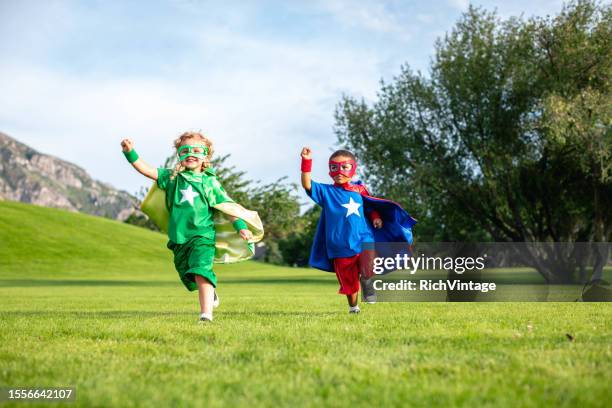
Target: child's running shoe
(368,293)
(354,309)
(205,318)
(216,301)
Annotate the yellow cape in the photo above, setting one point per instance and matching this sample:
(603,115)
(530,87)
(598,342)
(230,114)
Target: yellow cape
(229,246)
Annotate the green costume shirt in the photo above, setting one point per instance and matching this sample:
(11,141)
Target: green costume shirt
(190,197)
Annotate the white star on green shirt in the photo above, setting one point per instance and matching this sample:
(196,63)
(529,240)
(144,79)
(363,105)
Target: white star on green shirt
(188,195)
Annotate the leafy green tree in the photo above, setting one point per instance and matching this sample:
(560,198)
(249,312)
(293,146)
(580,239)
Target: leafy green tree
(277,204)
(295,248)
(482,147)
(576,61)
(577,111)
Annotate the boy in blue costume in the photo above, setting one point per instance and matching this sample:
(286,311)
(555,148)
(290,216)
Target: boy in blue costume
(350,220)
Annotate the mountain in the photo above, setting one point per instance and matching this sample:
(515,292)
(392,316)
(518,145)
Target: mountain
(29,176)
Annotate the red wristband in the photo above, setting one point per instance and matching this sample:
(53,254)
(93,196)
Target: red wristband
(374,215)
(306,165)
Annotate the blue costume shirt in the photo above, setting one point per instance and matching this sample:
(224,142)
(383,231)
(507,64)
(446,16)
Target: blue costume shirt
(346,227)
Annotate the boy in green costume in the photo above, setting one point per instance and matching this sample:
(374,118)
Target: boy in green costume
(187,202)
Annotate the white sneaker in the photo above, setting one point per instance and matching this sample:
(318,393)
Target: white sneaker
(216,301)
(205,318)
(354,309)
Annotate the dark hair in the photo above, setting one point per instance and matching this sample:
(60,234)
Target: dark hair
(342,153)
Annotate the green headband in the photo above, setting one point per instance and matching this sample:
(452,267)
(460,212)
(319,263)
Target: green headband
(186,151)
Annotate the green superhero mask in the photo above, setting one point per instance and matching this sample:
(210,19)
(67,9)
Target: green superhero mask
(200,151)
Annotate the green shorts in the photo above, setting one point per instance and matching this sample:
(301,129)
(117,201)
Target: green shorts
(195,257)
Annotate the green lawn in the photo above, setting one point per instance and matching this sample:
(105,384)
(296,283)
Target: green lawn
(96,304)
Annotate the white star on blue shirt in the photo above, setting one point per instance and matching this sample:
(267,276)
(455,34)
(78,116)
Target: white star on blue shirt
(352,207)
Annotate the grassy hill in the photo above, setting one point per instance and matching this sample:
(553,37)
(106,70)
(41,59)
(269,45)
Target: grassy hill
(39,241)
(96,304)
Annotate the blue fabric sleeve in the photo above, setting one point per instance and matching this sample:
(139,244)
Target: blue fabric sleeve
(317,192)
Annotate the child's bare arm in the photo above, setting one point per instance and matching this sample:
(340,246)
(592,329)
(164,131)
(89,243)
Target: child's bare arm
(139,164)
(306,160)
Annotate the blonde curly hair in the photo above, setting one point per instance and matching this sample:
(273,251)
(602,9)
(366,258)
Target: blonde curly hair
(196,136)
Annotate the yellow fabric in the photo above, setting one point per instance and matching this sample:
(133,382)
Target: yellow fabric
(229,246)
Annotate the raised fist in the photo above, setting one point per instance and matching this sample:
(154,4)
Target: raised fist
(127,145)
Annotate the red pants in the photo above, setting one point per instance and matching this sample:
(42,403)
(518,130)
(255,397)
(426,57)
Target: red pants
(348,270)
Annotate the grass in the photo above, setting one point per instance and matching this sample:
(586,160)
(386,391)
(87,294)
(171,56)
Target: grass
(96,304)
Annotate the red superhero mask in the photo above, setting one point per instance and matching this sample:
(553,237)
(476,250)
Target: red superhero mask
(346,168)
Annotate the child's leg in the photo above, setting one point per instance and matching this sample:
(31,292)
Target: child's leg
(206,294)
(352,299)
(366,272)
(200,269)
(347,272)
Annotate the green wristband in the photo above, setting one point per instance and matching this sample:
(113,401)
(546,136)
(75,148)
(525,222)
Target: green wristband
(239,224)
(131,156)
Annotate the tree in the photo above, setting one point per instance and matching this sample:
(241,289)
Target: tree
(295,248)
(476,149)
(577,106)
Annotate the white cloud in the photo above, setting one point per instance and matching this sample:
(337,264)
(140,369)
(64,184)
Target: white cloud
(459,4)
(424,18)
(367,14)
(77,78)
(261,105)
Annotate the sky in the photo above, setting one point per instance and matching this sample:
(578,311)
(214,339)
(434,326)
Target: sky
(259,78)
